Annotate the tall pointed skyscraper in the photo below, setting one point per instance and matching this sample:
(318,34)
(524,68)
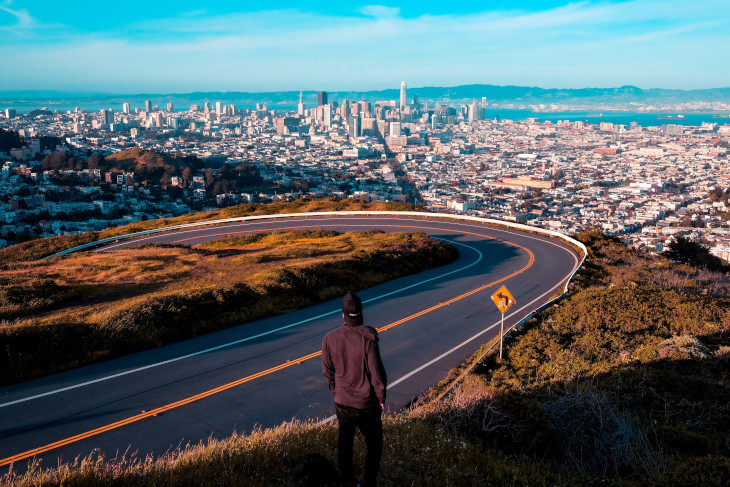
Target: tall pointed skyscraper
(403,96)
(300,107)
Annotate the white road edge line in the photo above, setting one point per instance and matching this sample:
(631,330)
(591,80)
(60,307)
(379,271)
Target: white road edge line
(236,342)
(449,352)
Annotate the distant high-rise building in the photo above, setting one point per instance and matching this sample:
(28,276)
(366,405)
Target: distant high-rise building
(218,108)
(395,129)
(10,113)
(300,106)
(147,106)
(364,106)
(158,119)
(327,114)
(484,103)
(355,127)
(321,98)
(170,107)
(473,112)
(232,110)
(125,107)
(403,95)
(107,116)
(206,107)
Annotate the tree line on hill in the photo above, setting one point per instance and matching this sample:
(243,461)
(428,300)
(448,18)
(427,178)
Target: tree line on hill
(150,168)
(10,139)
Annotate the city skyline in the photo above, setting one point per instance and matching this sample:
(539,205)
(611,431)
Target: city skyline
(135,47)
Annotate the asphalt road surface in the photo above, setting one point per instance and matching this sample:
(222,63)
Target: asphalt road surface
(269,371)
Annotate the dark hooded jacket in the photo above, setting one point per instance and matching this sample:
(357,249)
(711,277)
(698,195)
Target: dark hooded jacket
(352,365)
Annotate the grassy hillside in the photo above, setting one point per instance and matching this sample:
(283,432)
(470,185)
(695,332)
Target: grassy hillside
(627,379)
(81,308)
(624,383)
(39,248)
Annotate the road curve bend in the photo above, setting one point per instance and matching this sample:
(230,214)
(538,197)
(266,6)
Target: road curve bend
(267,372)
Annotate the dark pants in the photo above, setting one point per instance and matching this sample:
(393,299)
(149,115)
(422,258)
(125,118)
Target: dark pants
(369,422)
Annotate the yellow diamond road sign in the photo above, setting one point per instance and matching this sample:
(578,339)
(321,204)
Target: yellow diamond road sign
(503,299)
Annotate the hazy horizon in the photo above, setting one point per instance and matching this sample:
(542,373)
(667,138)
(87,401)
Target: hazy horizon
(412,89)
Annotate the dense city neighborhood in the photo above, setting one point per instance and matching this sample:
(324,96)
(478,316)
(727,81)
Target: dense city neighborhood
(75,171)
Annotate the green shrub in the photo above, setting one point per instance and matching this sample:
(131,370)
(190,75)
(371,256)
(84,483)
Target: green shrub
(707,471)
(598,438)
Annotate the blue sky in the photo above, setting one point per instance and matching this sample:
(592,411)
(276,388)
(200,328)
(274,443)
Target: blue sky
(183,46)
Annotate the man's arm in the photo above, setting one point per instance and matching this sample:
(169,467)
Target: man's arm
(328,368)
(378,377)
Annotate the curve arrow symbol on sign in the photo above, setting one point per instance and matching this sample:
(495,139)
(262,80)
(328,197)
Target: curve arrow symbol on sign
(503,299)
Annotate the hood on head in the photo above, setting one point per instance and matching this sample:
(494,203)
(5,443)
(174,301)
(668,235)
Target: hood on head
(352,309)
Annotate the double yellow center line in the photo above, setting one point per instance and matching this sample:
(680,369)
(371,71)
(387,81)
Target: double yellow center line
(230,385)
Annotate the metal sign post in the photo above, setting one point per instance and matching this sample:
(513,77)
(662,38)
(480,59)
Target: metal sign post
(504,301)
(501,337)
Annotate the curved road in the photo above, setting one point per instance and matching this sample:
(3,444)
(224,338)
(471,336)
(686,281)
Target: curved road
(269,371)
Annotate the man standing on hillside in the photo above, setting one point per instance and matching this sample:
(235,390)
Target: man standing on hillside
(352,365)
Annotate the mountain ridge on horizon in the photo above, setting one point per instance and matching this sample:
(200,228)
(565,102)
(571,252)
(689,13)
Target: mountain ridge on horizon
(525,94)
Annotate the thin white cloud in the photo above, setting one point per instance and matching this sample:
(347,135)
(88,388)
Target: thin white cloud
(580,44)
(235,23)
(380,11)
(195,13)
(23,19)
(27,27)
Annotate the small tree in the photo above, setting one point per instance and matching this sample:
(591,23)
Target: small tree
(685,251)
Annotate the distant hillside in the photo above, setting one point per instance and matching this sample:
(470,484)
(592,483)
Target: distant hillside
(494,94)
(139,160)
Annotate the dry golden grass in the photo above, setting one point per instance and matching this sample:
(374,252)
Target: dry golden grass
(121,278)
(88,306)
(43,247)
(296,206)
(415,453)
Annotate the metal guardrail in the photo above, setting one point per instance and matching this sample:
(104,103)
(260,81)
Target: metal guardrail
(488,221)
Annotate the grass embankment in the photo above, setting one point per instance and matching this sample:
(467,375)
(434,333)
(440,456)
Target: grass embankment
(39,248)
(82,308)
(623,383)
